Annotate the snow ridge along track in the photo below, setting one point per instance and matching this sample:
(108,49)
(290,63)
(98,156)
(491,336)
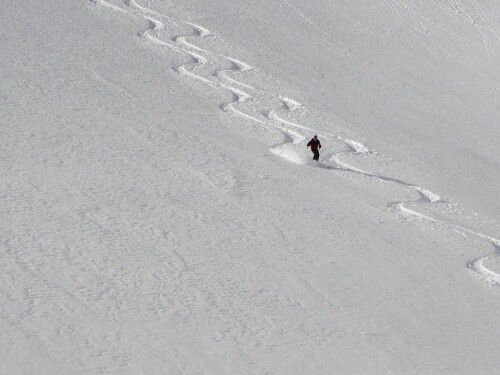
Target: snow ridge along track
(273,112)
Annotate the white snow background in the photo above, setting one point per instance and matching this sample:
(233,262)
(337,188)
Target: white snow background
(161,213)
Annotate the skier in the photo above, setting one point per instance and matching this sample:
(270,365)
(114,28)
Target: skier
(315,145)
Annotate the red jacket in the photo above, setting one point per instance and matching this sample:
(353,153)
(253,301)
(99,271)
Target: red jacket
(314,143)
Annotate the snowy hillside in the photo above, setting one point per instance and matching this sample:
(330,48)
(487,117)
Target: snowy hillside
(163,215)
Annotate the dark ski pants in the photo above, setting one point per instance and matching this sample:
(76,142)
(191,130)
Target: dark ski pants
(316,154)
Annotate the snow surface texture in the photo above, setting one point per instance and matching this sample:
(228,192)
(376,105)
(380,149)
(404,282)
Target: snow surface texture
(124,257)
(294,134)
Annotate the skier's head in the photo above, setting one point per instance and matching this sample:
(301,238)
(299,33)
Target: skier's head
(315,137)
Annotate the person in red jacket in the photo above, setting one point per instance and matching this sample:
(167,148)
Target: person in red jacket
(315,146)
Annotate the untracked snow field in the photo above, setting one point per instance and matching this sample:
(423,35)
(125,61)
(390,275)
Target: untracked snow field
(161,213)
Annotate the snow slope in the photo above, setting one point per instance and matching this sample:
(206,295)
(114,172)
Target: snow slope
(161,213)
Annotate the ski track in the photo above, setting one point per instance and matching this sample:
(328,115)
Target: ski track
(294,134)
